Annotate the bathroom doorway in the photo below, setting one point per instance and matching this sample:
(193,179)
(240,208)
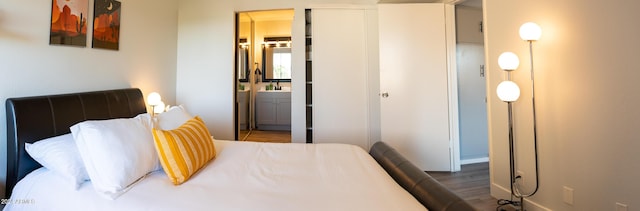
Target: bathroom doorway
(263,70)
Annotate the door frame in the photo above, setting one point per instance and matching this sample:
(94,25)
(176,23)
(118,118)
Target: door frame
(454,121)
(236,41)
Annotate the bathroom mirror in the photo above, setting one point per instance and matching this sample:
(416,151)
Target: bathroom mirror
(243,61)
(244,38)
(276,59)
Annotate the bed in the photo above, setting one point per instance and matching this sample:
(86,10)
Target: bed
(242,176)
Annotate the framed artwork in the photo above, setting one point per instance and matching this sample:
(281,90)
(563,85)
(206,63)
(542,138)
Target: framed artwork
(69,22)
(106,24)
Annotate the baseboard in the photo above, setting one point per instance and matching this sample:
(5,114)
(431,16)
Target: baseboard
(474,160)
(500,192)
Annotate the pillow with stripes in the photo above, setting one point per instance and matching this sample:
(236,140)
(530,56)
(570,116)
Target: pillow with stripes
(184,150)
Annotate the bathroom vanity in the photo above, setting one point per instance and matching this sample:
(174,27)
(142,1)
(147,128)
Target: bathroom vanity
(243,109)
(273,110)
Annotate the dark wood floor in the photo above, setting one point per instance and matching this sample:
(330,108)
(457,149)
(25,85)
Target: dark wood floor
(266,136)
(472,184)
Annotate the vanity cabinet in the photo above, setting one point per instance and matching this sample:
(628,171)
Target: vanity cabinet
(273,110)
(243,109)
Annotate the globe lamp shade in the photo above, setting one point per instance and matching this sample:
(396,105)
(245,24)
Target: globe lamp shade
(508,61)
(508,91)
(159,108)
(530,31)
(154,99)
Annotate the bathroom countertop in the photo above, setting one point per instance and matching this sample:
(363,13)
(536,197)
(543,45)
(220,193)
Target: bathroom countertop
(284,89)
(274,91)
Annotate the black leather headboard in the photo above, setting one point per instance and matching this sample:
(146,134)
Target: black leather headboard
(30,119)
(428,191)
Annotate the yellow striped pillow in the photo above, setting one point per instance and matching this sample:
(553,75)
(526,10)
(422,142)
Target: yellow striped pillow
(184,150)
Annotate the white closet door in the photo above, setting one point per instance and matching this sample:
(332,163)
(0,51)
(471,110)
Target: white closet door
(340,100)
(413,71)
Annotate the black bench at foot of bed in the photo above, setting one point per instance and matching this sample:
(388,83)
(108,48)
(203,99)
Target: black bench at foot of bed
(433,195)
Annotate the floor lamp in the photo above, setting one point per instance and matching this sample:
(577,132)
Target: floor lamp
(509,92)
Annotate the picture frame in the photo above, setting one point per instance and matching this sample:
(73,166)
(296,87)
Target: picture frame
(106,24)
(69,22)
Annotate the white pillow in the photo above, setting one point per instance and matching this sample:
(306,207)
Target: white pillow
(116,153)
(173,118)
(60,155)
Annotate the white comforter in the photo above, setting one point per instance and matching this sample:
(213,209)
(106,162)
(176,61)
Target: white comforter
(244,176)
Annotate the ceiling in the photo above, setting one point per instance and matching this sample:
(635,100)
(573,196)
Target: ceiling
(470,3)
(410,1)
(270,15)
(280,15)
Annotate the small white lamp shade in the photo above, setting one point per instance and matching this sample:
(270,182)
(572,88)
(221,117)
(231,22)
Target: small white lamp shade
(508,91)
(508,61)
(530,31)
(154,99)
(159,108)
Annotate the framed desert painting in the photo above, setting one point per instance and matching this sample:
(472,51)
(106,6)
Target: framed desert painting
(69,22)
(106,24)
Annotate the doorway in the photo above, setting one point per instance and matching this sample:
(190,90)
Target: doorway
(263,75)
(474,143)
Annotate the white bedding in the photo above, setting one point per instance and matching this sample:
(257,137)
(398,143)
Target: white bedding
(243,176)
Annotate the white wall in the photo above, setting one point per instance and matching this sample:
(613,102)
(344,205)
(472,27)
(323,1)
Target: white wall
(205,59)
(468,20)
(587,99)
(205,79)
(30,66)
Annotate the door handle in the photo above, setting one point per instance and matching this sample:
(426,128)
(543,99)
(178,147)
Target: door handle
(384,94)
